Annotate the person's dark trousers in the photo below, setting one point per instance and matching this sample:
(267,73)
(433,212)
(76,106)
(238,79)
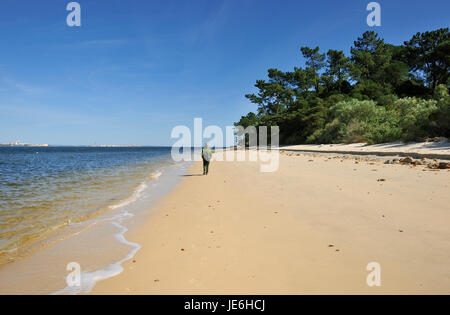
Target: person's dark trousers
(205,167)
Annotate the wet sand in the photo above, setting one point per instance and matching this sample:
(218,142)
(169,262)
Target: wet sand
(312,227)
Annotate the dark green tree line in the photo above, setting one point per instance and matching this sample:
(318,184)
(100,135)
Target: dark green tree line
(328,98)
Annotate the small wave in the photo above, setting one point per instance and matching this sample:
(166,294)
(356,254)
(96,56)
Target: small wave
(89,279)
(137,193)
(156,175)
(135,196)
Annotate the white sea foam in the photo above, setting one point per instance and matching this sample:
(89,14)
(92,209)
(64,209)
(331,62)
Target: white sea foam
(137,193)
(88,279)
(156,175)
(135,196)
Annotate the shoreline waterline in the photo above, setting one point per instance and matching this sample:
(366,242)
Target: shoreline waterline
(98,243)
(312,227)
(89,279)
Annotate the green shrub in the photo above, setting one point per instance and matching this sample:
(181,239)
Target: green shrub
(414,117)
(365,121)
(329,134)
(386,100)
(440,120)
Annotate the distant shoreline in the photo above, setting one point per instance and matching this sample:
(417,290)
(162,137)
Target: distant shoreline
(77,146)
(23,145)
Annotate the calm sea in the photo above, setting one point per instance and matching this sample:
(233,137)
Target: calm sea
(45,191)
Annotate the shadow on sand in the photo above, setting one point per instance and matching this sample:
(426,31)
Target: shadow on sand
(193,175)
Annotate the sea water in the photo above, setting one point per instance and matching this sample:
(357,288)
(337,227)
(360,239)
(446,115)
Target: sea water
(74,204)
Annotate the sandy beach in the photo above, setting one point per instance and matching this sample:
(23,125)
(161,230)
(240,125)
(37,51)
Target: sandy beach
(312,227)
(438,149)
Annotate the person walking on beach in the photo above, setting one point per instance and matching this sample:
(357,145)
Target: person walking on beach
(206,156)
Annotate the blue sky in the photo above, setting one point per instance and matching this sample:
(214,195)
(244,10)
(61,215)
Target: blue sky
(137,68)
